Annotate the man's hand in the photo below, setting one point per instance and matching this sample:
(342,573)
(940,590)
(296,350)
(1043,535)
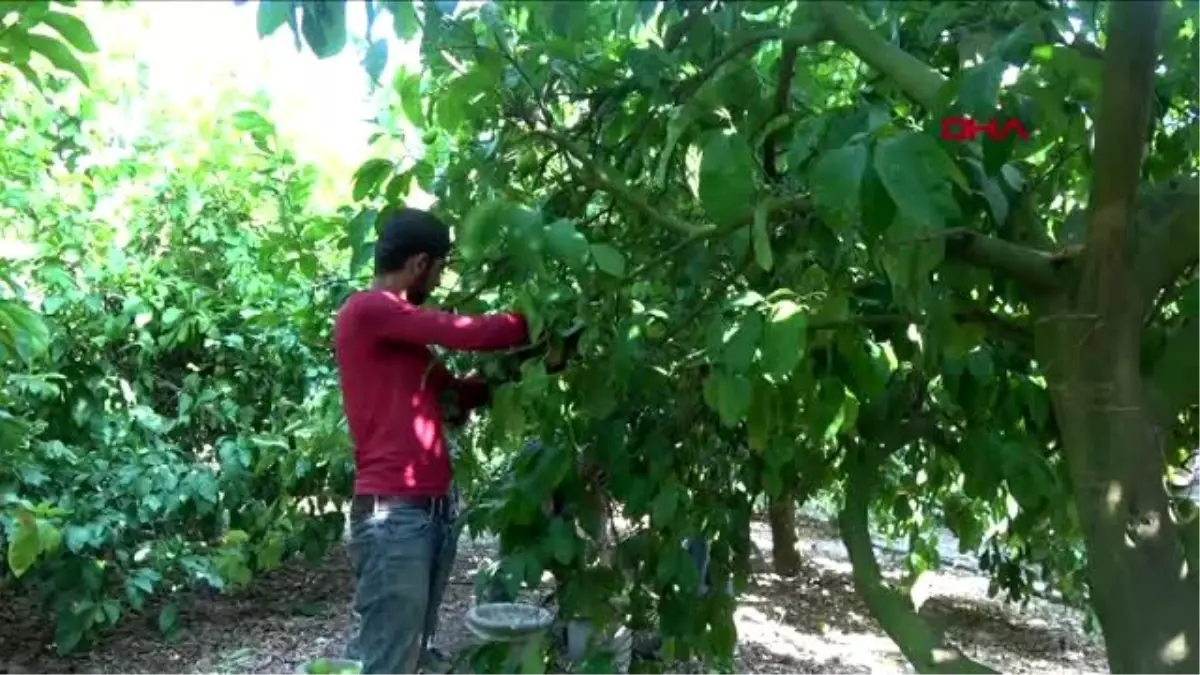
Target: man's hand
(555,352)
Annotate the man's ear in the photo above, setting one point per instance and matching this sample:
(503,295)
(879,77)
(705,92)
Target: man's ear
(419,263)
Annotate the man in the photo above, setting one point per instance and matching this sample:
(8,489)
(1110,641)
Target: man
(392,390)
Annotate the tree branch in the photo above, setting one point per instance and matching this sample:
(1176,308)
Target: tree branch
(783,96)
(678,31)
(1028,267)
(774,208)
(1121,129)
(1168,235)
(917,640)
(915,78)
(597,177)
(804,36)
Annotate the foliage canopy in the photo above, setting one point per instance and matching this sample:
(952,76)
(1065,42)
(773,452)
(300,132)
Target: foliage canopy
(793,288)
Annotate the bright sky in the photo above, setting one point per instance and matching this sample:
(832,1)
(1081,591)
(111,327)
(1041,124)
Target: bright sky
(322,106)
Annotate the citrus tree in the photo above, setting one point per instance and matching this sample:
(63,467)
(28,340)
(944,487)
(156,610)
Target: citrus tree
(793,283)
(169,417)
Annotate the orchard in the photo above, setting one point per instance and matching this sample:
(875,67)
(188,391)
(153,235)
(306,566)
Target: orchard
(793,286)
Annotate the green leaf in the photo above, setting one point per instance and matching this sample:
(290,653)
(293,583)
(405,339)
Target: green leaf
(272,14)
(77,538)
(72,29)
(171,315)
(913,170)
(562,541)
(112,610)
(910,253)
(398,186)
(370,175)
(408,88)
(609,260)
(376,59)
(980,89)
(762,241)
(29,73)
(261,129)
(979,364)
(665,504)
(362,254)
(249,120)
(827,414)
(67,634)
(58,54)
(505,226)
(168,618)
(731,394)
(784,339)
(323,25)
(567,243)
(49,537)
(727,185)
(359,226)
(805,140)
(22,330)
(836,179)
(741,347)
(404,18)
(567,19)
(24,544)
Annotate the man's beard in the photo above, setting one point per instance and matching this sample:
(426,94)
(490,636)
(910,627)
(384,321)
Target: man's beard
(420,291)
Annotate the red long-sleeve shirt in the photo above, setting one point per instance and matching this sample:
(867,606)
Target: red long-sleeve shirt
(391,383)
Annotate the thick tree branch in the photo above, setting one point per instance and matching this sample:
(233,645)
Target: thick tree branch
(1121,129)
(915,78)
(1168,235)
(783,95)
(917,640)
(1028,267)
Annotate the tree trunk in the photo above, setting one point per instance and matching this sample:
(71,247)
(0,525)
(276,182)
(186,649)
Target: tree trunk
(782,515)
(1143,595)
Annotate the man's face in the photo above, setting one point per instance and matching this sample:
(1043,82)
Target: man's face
(429,275)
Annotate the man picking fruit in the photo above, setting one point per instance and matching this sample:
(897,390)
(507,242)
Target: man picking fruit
(392,389)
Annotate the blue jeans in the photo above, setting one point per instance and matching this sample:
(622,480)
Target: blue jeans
(402,558)
(698,550)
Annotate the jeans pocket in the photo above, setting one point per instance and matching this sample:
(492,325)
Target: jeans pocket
(403,522)
(393,524)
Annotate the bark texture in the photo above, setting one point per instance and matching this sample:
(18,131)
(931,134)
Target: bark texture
(782,516)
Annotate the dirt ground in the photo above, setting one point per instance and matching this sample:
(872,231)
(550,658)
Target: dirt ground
(812,624)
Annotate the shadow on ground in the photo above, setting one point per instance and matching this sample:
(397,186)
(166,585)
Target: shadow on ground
(813,623)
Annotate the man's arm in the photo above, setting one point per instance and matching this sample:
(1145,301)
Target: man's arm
(460,395)
(395,320)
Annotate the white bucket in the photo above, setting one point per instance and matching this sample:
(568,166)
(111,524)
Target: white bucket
(619,644)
